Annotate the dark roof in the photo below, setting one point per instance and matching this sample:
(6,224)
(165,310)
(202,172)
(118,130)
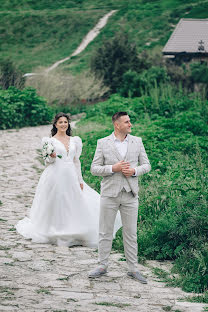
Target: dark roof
(186,37)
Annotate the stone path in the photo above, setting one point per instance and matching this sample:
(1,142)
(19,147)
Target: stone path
(46,278)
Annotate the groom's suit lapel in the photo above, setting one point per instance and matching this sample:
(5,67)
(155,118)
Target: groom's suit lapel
(113,147)
(130,147)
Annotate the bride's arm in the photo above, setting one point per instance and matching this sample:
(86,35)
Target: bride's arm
(78,143)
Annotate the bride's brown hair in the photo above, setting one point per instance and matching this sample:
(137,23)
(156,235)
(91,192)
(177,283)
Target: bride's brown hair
(56,118)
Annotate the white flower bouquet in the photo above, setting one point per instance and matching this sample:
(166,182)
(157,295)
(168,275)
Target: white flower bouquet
(48,149)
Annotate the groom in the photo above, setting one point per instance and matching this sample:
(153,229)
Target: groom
(119,158)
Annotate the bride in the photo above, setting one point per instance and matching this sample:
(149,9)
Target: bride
(65,210)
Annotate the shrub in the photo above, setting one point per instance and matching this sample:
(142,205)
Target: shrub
(115,57)
(63,89)
(23,108)
(199,72)
(130,84)
(10,75)
(135,84)
(152,76)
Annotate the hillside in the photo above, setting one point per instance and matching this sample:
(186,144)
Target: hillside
(36,34)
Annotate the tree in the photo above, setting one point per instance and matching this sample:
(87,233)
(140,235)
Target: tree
(10,75)
(115,57)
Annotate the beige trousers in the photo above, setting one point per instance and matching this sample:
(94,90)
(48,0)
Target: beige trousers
(109,206)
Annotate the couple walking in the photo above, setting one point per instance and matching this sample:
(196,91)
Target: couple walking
(66,211)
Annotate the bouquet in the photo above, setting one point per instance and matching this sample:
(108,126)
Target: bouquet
(48,149)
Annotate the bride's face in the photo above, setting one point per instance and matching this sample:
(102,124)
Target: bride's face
(62,124)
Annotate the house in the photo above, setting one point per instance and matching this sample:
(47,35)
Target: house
(189,41)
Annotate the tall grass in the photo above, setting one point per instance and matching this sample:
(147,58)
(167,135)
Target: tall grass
(61,89)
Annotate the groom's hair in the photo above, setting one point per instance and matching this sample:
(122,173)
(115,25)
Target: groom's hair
(117,115)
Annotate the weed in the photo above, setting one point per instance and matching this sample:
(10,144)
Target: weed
(72,300)
(4,248)
(167,308)
(110,304)
(202,298)
(43,291)
(9,263)
(12,230)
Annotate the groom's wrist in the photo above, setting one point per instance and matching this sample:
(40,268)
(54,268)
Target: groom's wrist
(111,169)
(135,172)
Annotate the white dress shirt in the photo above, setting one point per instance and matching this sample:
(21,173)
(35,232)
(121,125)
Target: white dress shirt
(122,147)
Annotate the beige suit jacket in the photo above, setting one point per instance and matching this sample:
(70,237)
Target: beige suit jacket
(106,155)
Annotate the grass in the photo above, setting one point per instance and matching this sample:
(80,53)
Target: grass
(160,273)
(111,304)
(4,248)
(7,290)
(72,300)
(64,278)
(202,298)
(38,34)
(170,308)
(43,291)
(43,37)
(12,229)
(167,277)
(167,308)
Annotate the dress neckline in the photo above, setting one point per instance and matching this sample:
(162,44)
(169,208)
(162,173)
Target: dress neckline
(67,150)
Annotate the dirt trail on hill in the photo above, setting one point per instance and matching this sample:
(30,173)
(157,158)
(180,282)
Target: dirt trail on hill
(48,278)
(92,34)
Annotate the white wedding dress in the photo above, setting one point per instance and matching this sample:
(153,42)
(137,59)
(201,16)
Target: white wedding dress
(61,212)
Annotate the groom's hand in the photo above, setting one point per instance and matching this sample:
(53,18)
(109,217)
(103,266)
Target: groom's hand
(118,167)
(128,171)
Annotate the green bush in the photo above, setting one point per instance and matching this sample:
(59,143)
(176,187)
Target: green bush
(199,72)
(130,84)
(23,108)
(115,57)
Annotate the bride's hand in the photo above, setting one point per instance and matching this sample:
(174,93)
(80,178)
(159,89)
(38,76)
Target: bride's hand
(82,186)
(53,155)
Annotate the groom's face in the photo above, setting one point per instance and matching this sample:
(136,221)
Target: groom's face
(124,124)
